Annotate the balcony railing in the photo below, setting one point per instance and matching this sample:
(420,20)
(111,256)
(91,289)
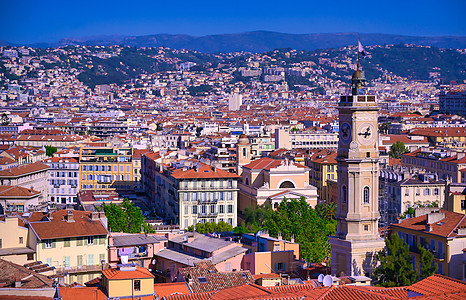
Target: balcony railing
(81,269)
(138,255)
(208,214)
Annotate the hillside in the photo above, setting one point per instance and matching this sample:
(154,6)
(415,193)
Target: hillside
(261,41)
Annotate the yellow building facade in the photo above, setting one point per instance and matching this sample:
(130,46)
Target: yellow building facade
(103,168)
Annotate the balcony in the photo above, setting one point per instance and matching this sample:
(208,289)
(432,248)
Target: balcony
(213,201)
(82,269)
(138,255)
(207,215)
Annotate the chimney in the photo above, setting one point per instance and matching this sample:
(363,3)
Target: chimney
(434,217)
(70,216)
(94,216)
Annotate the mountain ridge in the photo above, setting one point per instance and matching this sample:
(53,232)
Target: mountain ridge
(257,41)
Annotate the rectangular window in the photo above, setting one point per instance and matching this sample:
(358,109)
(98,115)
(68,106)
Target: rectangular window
(463,204)
(67,242)
(137,285)
(79,241)
(80,260)
(90,259)
(221,209)
(195,209)
(90,240)
(426,192)
(127,168)
(203,209)
(186,196)
(230,209)
(230,221)
(436,192)
(66,261)
(49,261)
(228,267)
(212,209)
(20,239)
(48,244)
(230,196)
(102,258)
(186,209)
(280,266)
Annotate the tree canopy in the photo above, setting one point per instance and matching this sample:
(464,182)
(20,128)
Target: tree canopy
(50,150)
(396,267)
(296,219)
(211,227)
(397,149)
(125,217)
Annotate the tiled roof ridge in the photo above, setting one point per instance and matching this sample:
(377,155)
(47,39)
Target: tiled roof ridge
(457,225)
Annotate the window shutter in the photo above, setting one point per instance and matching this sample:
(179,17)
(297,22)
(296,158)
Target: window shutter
(43,244)
(102,240)
(79,242)
(54,245)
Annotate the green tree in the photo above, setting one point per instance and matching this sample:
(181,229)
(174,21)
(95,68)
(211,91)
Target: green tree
(397,149)
(211,227)
(396,268)
(125,217)
(427,267)
(296,218)
(50,150)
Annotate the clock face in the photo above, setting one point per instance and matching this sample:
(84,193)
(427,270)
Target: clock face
(366,133)
(345,133)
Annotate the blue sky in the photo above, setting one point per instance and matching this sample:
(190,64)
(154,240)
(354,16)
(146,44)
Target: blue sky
(29,21)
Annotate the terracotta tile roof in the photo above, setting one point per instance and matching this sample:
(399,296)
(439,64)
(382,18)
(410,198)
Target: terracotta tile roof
(205,171)
(59,227)
(7,191)
(438,285)
(23,170)
(440,132)
(11,272)
(214,280)
(78,293)
(115,273)
(445,227)
(61,159)
(247,291)
(167,289)
(267,163)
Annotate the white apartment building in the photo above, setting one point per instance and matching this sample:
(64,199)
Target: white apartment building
(64,179)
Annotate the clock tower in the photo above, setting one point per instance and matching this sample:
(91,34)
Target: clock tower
(357,238)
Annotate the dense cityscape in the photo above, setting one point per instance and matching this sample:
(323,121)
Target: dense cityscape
(157,172)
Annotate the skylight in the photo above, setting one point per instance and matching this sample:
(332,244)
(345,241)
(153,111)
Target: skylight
(202,279)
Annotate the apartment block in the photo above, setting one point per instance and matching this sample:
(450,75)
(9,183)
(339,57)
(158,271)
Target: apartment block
(105,168)
(63,180)
(188,192)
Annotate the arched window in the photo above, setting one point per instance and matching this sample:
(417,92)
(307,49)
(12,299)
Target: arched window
(366,194)
(287,185)
(247,181)
(344,194)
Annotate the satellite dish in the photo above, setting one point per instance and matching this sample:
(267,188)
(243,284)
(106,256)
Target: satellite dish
(321,278)
(328,280)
